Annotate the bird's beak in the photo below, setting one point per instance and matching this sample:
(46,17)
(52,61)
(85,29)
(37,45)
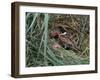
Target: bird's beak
(63,33)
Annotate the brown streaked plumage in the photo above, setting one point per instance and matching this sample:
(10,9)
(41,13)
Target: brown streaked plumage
(64,39)
(67,43)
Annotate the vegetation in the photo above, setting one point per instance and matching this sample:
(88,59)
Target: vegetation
(42,50)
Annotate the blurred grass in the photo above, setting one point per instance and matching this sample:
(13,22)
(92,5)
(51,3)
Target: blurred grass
(38,49)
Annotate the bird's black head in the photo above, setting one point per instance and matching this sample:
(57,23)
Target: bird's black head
(61,29)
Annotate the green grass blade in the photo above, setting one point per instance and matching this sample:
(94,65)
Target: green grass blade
(46,18)
(34,19)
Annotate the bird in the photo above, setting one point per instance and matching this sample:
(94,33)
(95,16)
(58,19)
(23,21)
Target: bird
(64,38)
(65,41)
